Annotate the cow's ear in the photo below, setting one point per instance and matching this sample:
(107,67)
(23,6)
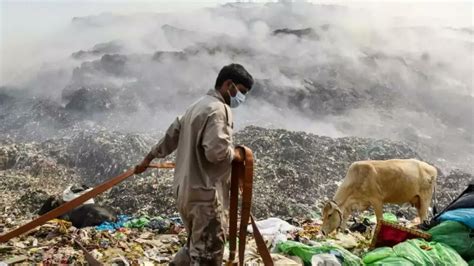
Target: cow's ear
(320,205)
(327,206)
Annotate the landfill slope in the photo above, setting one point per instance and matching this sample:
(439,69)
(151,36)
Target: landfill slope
(294,171)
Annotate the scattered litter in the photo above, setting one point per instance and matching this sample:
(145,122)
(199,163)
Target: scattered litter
(294,170)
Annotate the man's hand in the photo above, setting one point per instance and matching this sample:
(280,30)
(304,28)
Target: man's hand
(143,165)
(239,155)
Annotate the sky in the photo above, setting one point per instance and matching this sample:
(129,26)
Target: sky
(23,20)
(23,24)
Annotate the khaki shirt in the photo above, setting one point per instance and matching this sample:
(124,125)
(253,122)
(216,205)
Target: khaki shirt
(203,139)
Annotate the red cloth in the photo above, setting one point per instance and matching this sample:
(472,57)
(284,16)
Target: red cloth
(388,235)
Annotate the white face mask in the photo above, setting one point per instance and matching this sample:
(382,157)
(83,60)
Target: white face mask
(238,99)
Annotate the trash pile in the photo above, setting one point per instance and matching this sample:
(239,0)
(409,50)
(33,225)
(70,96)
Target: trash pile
(294,172)
(137,241)
(154,240)
(447,240)
(304,169)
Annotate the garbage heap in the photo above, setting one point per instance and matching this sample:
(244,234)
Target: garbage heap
(294,172)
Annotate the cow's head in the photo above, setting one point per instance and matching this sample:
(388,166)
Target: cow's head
(332,217)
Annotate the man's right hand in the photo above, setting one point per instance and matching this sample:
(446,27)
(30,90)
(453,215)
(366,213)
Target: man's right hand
(143,165)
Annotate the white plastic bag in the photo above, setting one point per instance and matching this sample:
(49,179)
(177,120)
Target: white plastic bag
(273,226)
(68,195)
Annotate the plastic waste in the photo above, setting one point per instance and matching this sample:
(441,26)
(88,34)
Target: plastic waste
(73,191)
(465,216)
(389,217)
(377,254)
(414,252)
(392,261)
(280,238)
(465,200)
(325,260)
(273,226)
(160,224)
(108,226)
(456,235)
(275,230)
(176,220)
(447,255)
(306,252)
(137,222)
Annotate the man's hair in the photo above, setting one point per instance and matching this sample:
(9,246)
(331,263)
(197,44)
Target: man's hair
(237,74)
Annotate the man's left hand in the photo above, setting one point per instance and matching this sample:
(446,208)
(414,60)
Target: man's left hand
(239,155)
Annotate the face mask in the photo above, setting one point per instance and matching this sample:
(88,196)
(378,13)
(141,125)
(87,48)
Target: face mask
(236,100)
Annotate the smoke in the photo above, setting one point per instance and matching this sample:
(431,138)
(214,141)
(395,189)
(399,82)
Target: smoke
(399,71)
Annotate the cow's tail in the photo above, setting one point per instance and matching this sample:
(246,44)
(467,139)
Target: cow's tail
(432,172)
(435,201)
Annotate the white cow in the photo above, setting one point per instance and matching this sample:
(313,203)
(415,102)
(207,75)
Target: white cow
(373,183)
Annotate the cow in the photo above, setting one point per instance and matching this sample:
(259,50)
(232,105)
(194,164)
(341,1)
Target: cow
(375,182)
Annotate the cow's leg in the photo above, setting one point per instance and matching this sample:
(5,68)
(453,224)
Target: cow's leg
(423,209)
(378,209)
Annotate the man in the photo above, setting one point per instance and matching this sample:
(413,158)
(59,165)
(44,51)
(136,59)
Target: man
(203,140)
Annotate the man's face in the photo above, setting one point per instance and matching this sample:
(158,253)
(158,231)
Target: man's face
(230,89)
(233,89)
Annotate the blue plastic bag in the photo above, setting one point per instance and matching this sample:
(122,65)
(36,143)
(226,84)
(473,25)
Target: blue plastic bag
(108,226)
(465,216)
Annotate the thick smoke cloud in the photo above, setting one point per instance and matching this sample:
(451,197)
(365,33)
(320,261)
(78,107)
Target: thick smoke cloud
(376,71)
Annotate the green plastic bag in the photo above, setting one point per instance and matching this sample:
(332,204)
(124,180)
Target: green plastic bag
(393,261)
(377,254)
(389,217)
(415,252)
(447,255)
(411,250)
(137,223)
(455,235)
(306,252)
(421,252)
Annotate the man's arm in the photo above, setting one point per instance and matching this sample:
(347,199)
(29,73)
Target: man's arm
(164,147)
(216,139)
(169,142)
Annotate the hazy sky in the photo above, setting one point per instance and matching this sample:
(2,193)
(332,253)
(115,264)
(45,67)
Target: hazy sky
(422,49)
(21,20)
(24,23)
